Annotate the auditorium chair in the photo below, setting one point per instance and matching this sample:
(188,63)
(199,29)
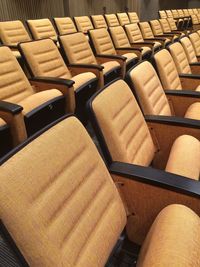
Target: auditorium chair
(41,29)
(195,22)
(43,59)
(111,20)
(179,22)
(123,19)
(83,24)
(190,11)
(167,29)
(99,21)
(169,13)
(133,17)
(12,33)
(186,13)
(195,40)
(145,141)
(59,206)
(171,78)
(76,49)
(30,104)
(162,14)
(195,11)
(153,100)
(103,45)
(65,25)
(189,50)
(158,31)
(121,41)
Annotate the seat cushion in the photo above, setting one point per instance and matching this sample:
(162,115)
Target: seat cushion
(82,78)
(184,158)
(173,239)
(130,56)
(38,99)
(193,112)
(108,66)
(198,89)
(157,44)
(145,49)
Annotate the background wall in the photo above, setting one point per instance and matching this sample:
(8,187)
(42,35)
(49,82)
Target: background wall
(193,3)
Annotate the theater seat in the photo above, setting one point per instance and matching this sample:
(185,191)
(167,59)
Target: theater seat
(157,31)
(99,21)
(189,49)
(83,24)
(133,17)
(111,20)
(195,40)
(167,29)
(64,219)
(128,137)
(123,19)
(65,25)
(78,51)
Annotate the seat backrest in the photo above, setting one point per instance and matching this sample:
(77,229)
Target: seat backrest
(61,200)
(122,124)
(111,20)
(195,11)
(99,21)
(133,17)
(14,86)
(175,13)
(65,25)
(13,32)
(195,40)
(189,49)
(42,28)
(167,70)
(146,30)
(102,42)
(134,33)
(185,12)
(180,58)
(156,27)
(77,48)
(195,20)
(169,13)
(44,59)
(83,24)
(172,24)
(119,37)
(162,14)
(123,18)
(180,13)
(190,11)
(165,25)
(149,90)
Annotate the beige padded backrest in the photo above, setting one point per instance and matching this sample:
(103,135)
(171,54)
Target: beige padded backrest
(123,126)
(111,20)
(77,48)
(195,10)
(180,13)
(42,28)
(167,70)
(146,30)
(59,202)
(169,13)
(99,21)
(172,24)
(14,85)
(162,14)
(165,25)
(13,32)
(119,37)
(133,17)
(44,59)
(149,90)
(190,11)
(189,49)
(175,13)
(195,40)
(156,27)
(134,33)
(194,19)
(83,24)
(102,42)
(65,25)
(180,58)
(123,18)
(185,12)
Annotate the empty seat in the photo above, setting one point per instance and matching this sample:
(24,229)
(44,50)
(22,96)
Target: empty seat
(99,21)
(44,60)
(129,140)
(157,31)
(123,18)
(83,24)
(167,29)
(195,40)
(133,17)
(103,45)
(64,218)
(162,14)
(189,49)
(78,51)
(65,25)
(169,13)
(111,20)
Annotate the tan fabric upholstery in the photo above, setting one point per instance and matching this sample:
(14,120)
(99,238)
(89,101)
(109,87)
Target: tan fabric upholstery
(180,13)
(110,65)
(169,13)
(195,11)
(149,90)
(167,70)
(42,28)
(134,33)
(83,24)
(146,30)
(165,25)
(123,126)
(156,27)
(195,20)
(172,24)
(58,206)
(189,49)
(179,162)
(13,32)
(173,239)
(186,13)
(129,56)
(133,17)
(162,14)
(193,112)
(99,21)
(82,78)
(195,40)
(111,20)
(119,37)
(180,58)
(175,13)
(123,18)
(65,25)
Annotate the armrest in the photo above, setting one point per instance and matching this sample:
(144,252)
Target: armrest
(10,108)
(189,81)
(160,40)
(52,80)
(124,50)
(112,57)
(87,66)
(166,36)
(129,48)
(185,93)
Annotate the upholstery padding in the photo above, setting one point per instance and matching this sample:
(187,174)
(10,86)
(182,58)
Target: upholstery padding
(123,18)
(189,49)
(65,25)
(133,17)
(134,33)
(83,24)
(119,37)
(112,20)
(193,112)
(195,39)
(184,157)
(110,65)
(99,21)
(82,78)
(130,56)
